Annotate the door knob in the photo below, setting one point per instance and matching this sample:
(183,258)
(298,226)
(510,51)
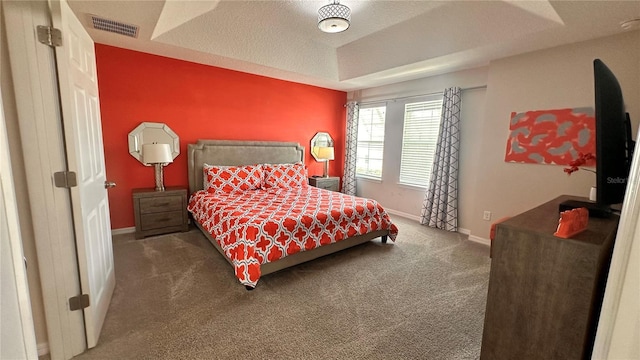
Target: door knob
(109,184)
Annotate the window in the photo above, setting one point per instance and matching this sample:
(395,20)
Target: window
(370,142)
(420,135)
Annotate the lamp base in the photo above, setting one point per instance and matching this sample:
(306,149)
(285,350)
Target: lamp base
(158,175)
(325,171)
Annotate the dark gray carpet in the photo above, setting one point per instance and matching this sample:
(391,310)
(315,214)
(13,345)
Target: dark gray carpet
(422,297)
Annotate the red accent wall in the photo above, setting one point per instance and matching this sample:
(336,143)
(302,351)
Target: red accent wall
(202,102)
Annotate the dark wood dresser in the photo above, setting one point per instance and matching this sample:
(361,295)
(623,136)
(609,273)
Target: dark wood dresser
(160,212)
(545,293)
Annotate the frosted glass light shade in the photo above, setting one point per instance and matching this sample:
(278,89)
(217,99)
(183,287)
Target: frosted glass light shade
(156,154)
(325,153)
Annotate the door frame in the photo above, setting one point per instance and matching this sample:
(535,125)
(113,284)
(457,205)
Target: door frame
(25,337)
(35,87)
(619,315)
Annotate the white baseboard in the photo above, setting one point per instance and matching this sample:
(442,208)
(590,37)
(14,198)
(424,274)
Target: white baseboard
(121,231)
(403,214)
(480,240)
(476,239)
(43,349)
(463,231)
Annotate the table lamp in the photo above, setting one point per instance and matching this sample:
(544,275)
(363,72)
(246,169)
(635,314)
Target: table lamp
(157,155)
(325,154)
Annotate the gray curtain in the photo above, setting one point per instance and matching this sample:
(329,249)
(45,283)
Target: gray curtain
(351,143)
(440,206)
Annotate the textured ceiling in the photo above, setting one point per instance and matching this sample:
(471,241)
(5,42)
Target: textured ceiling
(387,42)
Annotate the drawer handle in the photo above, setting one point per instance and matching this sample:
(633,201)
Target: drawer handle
(163,204)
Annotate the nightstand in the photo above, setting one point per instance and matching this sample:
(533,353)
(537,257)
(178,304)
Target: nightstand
(160,212)
(327,183)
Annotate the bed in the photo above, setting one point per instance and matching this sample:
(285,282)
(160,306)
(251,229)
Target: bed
(226,214)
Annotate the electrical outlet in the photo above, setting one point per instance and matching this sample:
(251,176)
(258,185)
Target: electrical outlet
(486,216)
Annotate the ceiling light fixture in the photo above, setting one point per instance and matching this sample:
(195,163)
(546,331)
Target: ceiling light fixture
(334,18)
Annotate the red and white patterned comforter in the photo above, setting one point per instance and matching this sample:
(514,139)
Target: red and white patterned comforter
(259,226)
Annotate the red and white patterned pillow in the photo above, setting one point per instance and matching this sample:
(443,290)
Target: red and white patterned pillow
(285,175)
(232,178)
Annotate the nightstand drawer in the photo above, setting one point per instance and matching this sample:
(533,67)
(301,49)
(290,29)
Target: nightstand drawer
(327,186)
(160,204)
(160,220)
(330,183)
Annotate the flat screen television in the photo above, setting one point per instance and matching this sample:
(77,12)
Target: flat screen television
(614,144)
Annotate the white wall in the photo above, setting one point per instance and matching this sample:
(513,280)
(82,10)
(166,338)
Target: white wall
(556,78)
(407,199)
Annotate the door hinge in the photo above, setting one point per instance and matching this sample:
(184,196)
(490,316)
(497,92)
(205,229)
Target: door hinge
(79,302)
(65,179)
(49,36)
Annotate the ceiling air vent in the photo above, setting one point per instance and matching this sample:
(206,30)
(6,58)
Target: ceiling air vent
(114,26)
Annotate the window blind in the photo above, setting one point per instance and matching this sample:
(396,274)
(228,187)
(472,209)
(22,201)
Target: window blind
(420,136)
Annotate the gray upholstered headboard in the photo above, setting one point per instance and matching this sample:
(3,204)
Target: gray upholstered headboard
(231,152)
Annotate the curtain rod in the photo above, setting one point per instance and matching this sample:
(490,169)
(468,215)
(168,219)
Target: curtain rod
(419,95)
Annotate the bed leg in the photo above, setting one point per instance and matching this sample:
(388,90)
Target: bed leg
(384,239)
(249,288)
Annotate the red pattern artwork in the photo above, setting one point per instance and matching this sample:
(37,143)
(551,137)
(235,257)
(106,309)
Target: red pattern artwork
(256,227)
(551,136)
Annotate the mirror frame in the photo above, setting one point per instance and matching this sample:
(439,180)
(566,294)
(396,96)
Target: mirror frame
(154,133)
(320,139)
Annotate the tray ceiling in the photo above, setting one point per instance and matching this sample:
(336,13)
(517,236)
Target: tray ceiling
(388,41)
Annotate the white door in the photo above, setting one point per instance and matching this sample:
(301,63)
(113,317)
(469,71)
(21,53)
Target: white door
(85,154)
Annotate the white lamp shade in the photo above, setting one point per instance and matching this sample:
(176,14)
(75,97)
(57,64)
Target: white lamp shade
(156,153)
(325,153)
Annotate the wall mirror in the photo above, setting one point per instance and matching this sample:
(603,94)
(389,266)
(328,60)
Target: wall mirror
(149,133)
(320,140)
